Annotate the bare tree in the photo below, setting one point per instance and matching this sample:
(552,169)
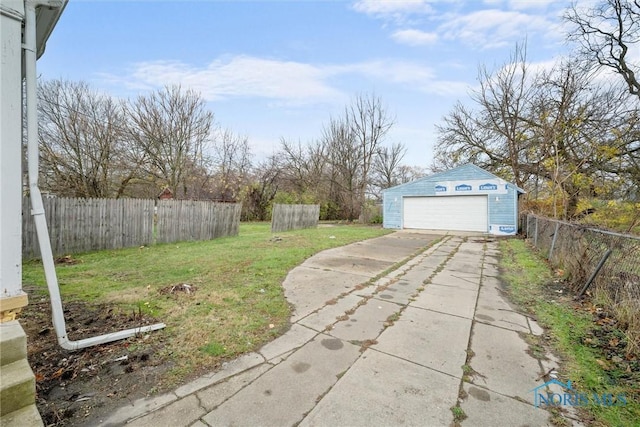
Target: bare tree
(172,128)
(262,191)
(495,136)
(605,34)
(410,173)
(81,140)
(345,171)
(369,121)
(583,135)
(556,127)
(304,166)
(339,170)
(231,164)
(387,164)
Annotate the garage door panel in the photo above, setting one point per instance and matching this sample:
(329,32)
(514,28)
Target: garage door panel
(462,213)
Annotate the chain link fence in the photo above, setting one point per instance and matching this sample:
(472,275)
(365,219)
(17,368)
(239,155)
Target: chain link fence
(593,259)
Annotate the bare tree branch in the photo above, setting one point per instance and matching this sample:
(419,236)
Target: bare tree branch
(605,34)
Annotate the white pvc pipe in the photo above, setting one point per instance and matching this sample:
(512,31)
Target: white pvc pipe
(37,207)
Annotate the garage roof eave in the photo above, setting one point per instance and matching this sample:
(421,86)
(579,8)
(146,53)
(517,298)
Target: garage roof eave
(519,190)
(447,172)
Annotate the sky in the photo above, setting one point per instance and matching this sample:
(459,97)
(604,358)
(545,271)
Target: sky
(281,69)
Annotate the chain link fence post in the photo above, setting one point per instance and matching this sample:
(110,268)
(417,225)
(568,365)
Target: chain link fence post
(553,242)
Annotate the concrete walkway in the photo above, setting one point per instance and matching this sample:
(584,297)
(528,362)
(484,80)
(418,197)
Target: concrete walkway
(371,345)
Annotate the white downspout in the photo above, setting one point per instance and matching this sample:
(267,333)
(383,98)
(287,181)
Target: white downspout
(37,208)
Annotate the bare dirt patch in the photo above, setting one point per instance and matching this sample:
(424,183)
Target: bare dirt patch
(66,260)
(181,288)
(84,386)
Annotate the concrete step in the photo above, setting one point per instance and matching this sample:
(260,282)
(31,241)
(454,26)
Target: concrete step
(14,342)
(17,386)
(25,417)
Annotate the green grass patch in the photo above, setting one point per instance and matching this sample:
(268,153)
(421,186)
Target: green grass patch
(532,285)
(214,349)
(458,414)
(235,304)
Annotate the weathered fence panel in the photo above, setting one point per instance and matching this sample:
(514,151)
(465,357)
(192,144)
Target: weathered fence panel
(179,220)
(293,217)
(82,225)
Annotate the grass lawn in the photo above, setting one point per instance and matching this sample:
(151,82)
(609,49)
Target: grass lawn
(237,302)
(593,356)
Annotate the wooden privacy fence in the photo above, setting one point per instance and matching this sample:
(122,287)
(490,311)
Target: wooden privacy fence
(82,225)
(180,220)
(293,217)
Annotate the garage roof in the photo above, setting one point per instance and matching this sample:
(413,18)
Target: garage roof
(476,169)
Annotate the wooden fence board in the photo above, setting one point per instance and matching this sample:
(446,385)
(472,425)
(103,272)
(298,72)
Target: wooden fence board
(294,217)
(180,220)
(82,225)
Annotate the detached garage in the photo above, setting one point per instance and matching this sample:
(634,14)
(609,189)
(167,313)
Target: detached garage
(466,198)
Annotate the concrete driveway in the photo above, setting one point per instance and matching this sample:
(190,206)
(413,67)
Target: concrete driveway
(391,331)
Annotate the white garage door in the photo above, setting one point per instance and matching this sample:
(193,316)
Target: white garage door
(462,213)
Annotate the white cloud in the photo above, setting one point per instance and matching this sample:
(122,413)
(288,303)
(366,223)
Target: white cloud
(490,24)
(399,72)
(539,67)
(492,28)
(381,8)
(239,76)
(532,4)
(447,88)
(408,74)
(288,82)
(414,37)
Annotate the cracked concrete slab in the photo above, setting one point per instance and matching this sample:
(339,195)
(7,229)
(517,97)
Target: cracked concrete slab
(291,389)
(182,412)
(381,390)
(484,408)
(464,267)
(376,251)
(495,310)
(138,408)
(295,337)
(340,262)
(455,280)
(328,315)
(212,397)
(366,323)
(400,292)
(502,362)
(417,275)
(308,289)
(435,340)
(230,368)
(445,299)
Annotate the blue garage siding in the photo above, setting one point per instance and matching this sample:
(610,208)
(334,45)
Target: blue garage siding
(502,201)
